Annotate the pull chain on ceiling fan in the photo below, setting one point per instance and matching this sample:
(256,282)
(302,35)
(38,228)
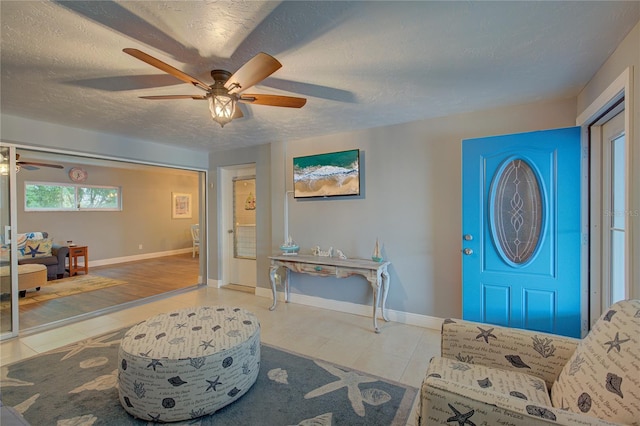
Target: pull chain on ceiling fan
(227,89)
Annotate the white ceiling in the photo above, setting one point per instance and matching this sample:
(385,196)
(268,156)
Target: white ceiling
(359,64)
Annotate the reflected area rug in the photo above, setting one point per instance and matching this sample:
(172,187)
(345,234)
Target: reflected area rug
(76,385)
(68,286)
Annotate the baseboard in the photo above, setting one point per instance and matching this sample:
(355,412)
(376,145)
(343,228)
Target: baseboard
(124,259)
(354,308)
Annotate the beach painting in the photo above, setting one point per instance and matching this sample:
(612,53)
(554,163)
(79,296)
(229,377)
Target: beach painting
(327,175)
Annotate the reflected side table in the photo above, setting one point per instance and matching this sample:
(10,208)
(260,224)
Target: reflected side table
(75,253)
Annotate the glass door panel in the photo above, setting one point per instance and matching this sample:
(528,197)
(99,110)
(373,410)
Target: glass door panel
(244,218)
(8,298)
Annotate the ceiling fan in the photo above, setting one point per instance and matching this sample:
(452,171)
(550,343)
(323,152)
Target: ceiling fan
(227,89)
(26,165)
(32,165)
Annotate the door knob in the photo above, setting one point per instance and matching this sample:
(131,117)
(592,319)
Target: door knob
(467,251)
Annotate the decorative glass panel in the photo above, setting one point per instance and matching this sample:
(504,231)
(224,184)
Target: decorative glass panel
(517,212)
(244,217)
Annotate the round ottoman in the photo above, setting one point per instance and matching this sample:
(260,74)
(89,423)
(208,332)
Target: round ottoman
(188,363)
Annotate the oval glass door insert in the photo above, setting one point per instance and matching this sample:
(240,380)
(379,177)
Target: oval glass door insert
(517,212)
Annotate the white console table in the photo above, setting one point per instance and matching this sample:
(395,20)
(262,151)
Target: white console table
(374,272)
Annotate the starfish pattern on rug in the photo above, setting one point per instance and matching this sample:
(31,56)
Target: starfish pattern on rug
(26,404)
(93,342)
(348,379)
(5,380)
(615,343)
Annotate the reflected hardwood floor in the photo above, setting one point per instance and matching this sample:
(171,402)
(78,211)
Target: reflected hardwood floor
(145,278)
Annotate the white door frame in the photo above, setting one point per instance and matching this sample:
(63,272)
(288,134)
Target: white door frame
(226,175)
(621,87)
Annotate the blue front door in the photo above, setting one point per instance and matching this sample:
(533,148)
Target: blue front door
(521,248)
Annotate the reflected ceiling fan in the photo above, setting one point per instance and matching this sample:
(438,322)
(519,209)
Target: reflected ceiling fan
(227,89)
(32,165)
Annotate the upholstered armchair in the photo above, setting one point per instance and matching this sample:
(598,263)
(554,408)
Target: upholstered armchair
(490,375)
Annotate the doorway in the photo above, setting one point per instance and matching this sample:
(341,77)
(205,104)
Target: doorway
(240,203)
(521,258)
(609,227)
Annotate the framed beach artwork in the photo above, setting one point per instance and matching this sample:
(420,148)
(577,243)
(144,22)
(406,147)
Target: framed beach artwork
(327,175)
(180,205)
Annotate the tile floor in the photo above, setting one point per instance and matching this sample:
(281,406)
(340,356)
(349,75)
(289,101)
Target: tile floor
(400,353)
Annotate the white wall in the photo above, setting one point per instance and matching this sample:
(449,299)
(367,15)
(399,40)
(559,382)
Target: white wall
(411,201)
(626,55)
(145,218)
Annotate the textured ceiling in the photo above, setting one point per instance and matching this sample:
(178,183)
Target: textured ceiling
(359,64)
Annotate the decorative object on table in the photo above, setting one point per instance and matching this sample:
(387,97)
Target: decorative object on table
(377,254)
(340,254)
(76,174)
(180,205)
(290,247)
(86,372)
(70,243)
(317,251)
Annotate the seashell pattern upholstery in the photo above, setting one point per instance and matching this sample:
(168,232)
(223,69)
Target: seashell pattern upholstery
(188,363)
(488,374)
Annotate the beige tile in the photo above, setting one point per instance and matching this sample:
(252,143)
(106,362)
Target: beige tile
(383,364)
(53,339)
(340,353)
(14,350)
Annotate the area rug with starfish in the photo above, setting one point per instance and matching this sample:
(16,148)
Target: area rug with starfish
(77,385)
(68,286)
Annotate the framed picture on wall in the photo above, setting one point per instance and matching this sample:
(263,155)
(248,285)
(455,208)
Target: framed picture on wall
(180,205)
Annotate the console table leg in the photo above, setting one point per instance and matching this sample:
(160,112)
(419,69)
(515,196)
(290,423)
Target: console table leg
(375,286)
(286,286)
(375,310)
(385,291)
(272,277)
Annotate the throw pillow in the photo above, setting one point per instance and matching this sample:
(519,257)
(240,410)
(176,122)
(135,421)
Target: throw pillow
(601,378)
(37,248)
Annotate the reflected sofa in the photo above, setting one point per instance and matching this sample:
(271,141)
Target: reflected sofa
(37,247)
(491,375)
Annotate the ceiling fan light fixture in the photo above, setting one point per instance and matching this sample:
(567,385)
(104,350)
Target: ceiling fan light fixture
(222,107)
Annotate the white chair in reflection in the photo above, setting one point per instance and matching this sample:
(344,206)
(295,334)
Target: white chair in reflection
(195,238)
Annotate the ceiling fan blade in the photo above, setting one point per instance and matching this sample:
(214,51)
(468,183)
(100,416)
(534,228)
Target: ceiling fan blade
(252,72)
(138,54)
(31,163)
(273,100)
(237,113)
(197,97)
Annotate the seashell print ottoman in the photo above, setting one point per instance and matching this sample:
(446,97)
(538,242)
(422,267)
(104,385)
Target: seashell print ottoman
(188,363)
